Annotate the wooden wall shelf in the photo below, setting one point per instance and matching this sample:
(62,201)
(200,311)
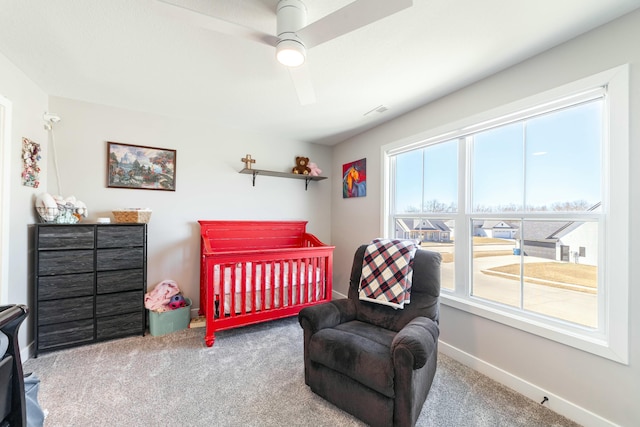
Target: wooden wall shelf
(307,178)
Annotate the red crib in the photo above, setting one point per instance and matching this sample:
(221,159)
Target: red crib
(255,271)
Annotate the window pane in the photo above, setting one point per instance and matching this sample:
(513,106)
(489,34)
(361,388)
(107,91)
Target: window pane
(563,158)
(441,177)
(494,247)
(434,235)
(408,182)
(497,169)
(543,266)
(427,179)
(561,270)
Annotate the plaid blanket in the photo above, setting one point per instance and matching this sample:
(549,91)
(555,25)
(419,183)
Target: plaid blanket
(387,272)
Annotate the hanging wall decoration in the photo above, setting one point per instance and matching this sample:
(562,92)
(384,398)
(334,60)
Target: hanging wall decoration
(137,166)
(354,179)
(30,168)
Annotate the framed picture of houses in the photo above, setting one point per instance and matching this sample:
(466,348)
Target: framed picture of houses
(140,167)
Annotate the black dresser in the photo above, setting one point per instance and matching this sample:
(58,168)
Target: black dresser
(90,281)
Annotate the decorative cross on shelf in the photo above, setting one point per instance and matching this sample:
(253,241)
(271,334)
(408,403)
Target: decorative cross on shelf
(247,161)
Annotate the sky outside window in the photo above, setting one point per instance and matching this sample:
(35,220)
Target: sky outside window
(431,172)
(498,169)
(553,160)
(558,155)
(563,159)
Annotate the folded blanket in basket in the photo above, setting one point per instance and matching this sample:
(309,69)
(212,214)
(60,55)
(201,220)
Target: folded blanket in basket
(158,299)
(387,272)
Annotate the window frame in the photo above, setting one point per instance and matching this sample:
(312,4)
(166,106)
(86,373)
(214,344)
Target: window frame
(610,339)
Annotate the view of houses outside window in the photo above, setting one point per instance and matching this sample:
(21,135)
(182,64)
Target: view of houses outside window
(528,202)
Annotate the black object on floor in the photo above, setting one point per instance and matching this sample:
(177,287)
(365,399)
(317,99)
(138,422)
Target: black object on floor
(12,398)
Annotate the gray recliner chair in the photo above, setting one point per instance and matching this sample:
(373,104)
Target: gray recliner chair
(373,361)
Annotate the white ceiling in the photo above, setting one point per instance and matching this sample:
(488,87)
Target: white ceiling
(136,54)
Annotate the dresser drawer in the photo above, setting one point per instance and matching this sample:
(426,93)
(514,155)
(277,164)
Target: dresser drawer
(118,236)
(65,262)
(120,280)
(65,237)
(65,286)
(65,334)
(118,259)
(65,310)
(119,326)
(123,302)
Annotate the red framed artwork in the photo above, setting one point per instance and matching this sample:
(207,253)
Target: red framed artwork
(354,179)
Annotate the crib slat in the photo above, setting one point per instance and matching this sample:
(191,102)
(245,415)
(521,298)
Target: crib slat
(303,277)
(312,279)
(243,288)
(320,294)
(263,286)
(309,279)
(280,290)
(317,280)
(292,281)
(272,305)
(254,287)
(232,306)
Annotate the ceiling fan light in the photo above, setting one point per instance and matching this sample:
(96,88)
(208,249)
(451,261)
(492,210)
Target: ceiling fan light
(290,53)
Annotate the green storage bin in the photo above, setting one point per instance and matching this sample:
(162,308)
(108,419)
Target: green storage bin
(170,321)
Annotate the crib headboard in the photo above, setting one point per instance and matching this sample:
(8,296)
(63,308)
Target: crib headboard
(224,236)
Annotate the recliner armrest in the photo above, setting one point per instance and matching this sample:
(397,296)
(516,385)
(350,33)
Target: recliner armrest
(327,315)
(418,339)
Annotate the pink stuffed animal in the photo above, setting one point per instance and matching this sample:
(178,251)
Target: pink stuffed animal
(315,170)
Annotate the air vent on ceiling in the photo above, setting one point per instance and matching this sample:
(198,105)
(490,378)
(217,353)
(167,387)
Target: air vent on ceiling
(378,109)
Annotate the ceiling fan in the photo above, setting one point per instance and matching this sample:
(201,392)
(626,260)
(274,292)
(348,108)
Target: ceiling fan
(294,37)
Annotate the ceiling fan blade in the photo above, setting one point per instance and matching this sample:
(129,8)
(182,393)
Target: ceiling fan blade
(301,78)
(351,17)
(191,16)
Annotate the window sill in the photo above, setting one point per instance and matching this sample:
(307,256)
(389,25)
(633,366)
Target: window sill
(581,338)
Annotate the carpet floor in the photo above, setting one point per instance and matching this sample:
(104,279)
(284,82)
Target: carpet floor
(252,376)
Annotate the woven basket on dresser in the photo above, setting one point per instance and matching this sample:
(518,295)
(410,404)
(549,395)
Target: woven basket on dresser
(132,216)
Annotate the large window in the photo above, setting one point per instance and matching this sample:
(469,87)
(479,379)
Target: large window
(525,205)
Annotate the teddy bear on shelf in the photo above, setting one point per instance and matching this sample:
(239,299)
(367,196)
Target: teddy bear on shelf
(302,166)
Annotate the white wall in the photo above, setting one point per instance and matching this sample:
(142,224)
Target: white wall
(590,389)
(28,103)
(208,185)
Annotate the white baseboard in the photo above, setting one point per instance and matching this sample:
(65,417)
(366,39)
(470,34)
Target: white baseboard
(25,352)
(556,403)
(337,295)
